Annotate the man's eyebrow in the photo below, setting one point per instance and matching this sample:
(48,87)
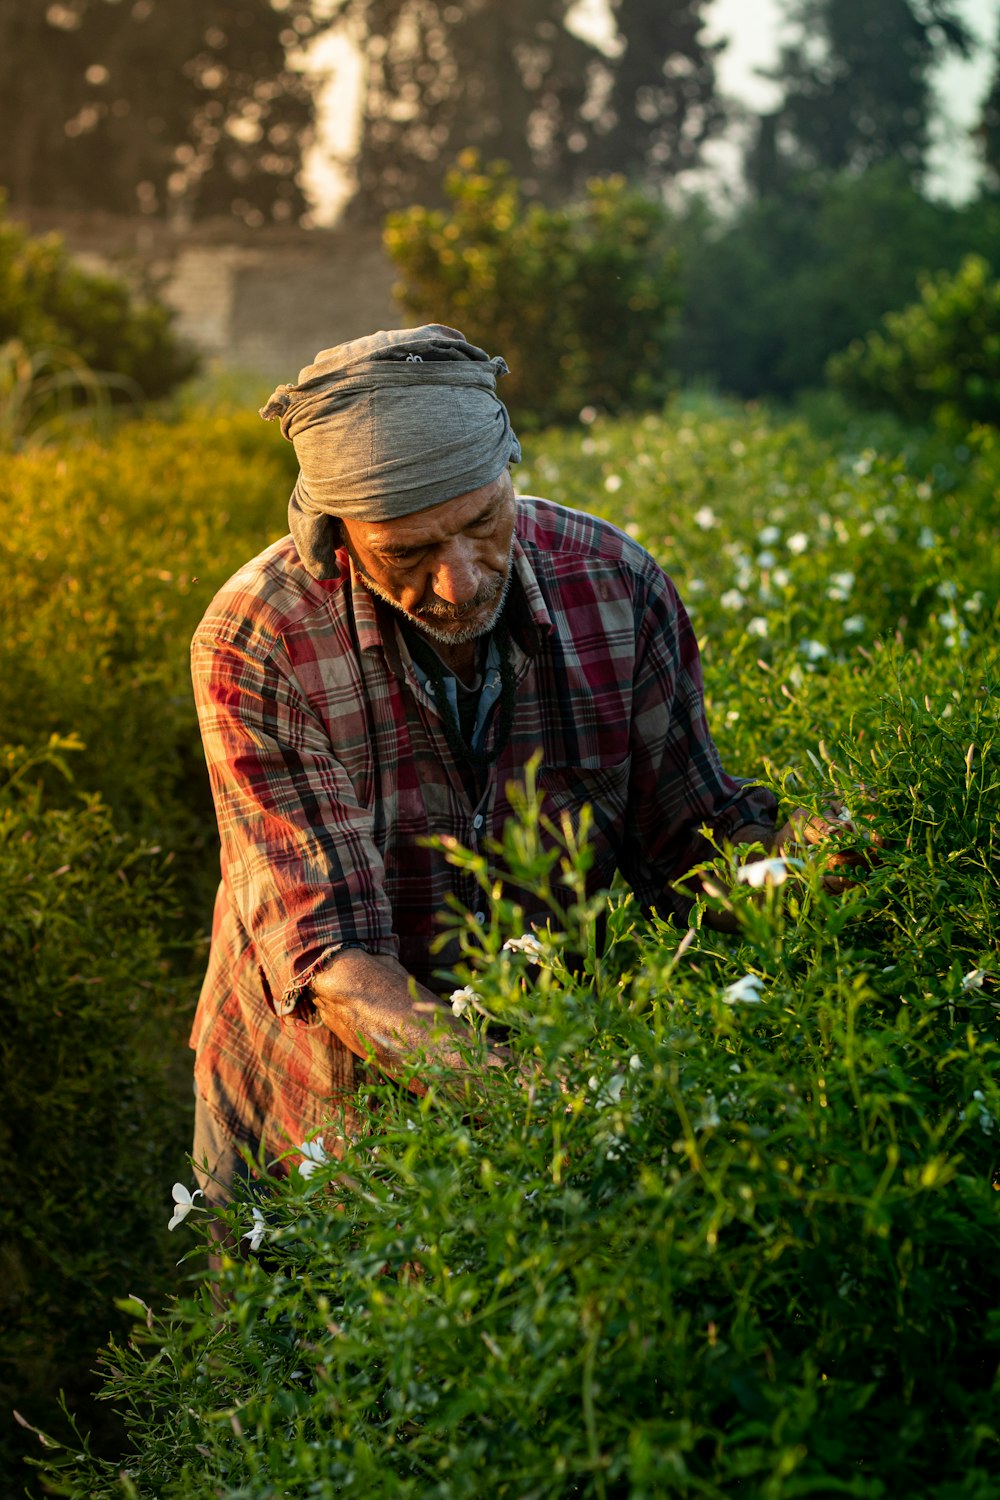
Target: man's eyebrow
(401,549)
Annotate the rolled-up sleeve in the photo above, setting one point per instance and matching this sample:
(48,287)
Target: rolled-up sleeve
(298,857)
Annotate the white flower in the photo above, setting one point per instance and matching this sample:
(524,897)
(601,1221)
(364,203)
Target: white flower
(613,483)
(314,1154)
(732,599)
(705,518)
(611,1092)
(183,1203)
(947,590)
(957,638)
(854,625)
(986,1120)
(973,980)
(766,559)
(797,543)
(841,585)
(258,1233)
(710,1116)
(635,1063)
(745,991)
(463,998)
(527,944)
(757,626)
(926,539)
(975,604)
(948,620)
(813,650)
(769,536)
(760,872)
(781,578)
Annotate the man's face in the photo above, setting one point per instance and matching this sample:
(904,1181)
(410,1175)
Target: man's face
(446,568)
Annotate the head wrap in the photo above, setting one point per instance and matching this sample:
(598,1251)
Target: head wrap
(387,425)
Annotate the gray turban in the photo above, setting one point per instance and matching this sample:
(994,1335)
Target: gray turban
(387,425)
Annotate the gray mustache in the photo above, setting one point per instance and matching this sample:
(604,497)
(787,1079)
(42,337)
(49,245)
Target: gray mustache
(459,611)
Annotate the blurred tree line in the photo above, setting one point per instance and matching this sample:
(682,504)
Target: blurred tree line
(194,108)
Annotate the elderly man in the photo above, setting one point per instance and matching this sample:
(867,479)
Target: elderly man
(384,673)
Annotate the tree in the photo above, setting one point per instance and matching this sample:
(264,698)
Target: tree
(770,294)
(856,84)
(511,81)
(184,107)
(662,105)
(988,129)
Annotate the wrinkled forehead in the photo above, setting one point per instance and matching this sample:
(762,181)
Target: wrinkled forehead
(436,523)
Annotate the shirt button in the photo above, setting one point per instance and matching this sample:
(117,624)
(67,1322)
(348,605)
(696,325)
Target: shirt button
(477,821)
(480,917)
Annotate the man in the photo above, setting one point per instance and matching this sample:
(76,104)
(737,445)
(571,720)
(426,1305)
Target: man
(383,674)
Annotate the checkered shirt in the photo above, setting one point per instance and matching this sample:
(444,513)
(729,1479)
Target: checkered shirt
(329,768)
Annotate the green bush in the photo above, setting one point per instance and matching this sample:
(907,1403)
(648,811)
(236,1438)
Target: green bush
(739,1228)
(581,301)
(48,302)
(111,553)
(938,358)
(775,288)
(89,1122)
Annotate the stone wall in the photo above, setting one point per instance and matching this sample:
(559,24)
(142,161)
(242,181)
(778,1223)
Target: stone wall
(261,301)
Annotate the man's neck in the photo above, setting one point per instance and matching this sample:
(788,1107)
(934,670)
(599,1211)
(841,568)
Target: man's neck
(461,659)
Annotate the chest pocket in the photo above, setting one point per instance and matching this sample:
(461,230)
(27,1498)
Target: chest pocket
(568,788)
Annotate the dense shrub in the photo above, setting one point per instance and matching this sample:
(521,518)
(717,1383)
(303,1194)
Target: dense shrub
(48,302)
(111,553)
(89,1122)
(939,357)
(775,288)
(581,301)
(738,1229)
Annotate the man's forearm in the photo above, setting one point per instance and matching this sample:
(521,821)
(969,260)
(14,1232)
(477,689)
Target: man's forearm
(374,1006)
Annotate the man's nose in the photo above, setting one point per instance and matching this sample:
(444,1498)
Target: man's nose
(455,577)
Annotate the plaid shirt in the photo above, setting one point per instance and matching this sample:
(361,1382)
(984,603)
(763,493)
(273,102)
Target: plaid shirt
(329,767)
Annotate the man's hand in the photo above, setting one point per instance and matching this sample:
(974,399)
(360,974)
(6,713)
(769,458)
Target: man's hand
(806,829)
(373,1005)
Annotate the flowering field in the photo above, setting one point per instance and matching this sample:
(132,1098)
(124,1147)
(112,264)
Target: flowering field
(732,1227)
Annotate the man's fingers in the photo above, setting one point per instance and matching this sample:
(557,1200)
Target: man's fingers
(809,829)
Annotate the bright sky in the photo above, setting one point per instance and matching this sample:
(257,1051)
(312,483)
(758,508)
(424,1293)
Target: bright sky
(754,31)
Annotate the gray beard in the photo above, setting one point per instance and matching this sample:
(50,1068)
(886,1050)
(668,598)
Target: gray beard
(425,624)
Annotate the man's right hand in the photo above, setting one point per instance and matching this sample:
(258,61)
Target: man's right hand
(371,1003)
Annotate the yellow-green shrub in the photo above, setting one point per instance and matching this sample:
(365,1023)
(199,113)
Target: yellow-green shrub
(581,301)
